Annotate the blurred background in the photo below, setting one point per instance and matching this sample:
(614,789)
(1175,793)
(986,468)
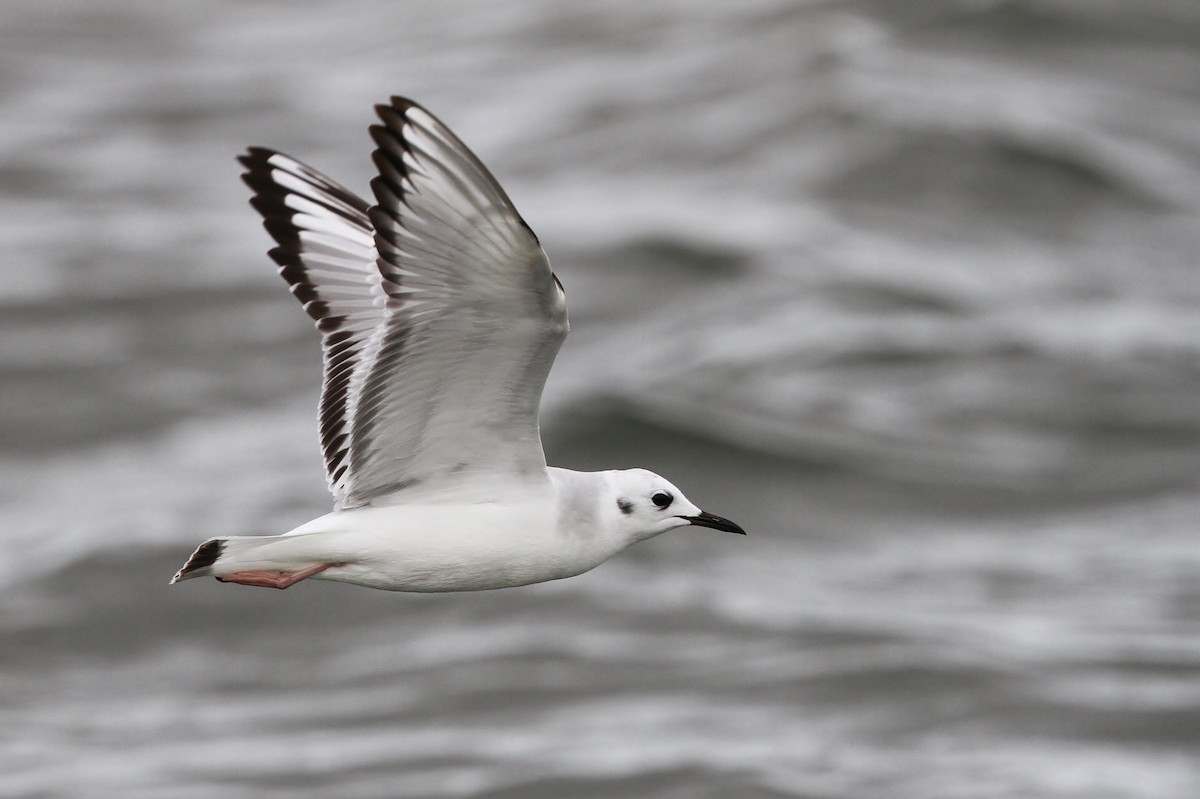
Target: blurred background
(909,290)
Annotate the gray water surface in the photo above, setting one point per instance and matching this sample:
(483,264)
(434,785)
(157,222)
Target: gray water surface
(909,290)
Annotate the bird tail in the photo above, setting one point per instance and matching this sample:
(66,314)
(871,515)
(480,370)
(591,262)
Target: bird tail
(219,556)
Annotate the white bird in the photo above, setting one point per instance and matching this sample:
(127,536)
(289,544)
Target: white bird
(440,318)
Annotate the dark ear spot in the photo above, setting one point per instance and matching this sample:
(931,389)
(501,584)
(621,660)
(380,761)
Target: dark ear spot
(625,505)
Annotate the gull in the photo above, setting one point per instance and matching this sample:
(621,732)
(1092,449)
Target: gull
(439,318)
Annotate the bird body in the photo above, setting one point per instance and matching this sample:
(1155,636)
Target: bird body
(423,547)
(440,319)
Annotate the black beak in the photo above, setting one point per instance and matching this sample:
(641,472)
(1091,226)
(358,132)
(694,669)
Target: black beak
(715,522)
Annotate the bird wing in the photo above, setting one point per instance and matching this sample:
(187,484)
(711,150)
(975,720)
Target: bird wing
(439,313)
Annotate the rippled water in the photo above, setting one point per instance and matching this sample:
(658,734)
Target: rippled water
(909,290)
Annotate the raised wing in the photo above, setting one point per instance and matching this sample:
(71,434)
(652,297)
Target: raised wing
(326,253)
(438,334)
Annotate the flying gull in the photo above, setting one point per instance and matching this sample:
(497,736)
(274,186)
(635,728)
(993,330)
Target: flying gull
(440,318)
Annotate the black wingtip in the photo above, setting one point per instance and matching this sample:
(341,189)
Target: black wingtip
(256,162)
(256,157)
(402,104)
(395,114)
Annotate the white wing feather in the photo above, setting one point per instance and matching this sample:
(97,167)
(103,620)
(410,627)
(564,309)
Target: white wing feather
(439,312)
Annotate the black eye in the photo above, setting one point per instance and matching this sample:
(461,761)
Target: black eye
(662,500)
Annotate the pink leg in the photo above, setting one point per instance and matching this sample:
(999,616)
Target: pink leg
(280,580)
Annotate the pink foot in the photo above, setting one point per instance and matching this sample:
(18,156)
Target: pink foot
(280,580)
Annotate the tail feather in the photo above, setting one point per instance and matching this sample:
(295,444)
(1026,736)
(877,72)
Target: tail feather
(284,553)
(201,562)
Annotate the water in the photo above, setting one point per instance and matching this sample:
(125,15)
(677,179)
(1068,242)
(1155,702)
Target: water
(908,290)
